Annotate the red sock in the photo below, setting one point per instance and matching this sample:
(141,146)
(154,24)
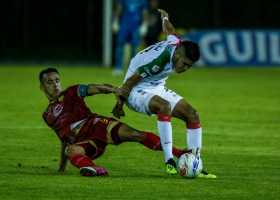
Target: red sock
(152,141)
(81,161)
(178,152)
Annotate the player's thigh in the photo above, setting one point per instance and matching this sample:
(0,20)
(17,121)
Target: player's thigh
(118,132)
(185,111)
(171,97)
(159,105)
(139,100)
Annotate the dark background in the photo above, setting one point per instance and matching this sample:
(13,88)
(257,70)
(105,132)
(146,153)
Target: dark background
(72,30)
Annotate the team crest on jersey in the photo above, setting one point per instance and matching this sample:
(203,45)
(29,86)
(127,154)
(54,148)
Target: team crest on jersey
(104,121)
(57,110)
(155,68)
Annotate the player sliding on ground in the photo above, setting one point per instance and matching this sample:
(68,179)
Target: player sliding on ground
(144,90)
(84,135)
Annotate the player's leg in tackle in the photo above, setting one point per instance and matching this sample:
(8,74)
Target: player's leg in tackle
(148,139)
(77,156)
(184,111)
(162,108)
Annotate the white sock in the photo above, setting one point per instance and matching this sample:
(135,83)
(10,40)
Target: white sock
(165,134)
(194,139)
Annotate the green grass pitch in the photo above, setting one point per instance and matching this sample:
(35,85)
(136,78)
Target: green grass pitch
(240,114)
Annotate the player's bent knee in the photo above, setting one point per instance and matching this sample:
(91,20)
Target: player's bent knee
(193,121)
(116,133)
(165,108)
(193,117)
(160,105)
(74,150)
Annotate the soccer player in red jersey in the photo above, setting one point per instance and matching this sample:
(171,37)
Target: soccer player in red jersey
(84,135)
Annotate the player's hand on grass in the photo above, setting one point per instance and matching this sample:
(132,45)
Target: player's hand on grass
(61,169)
(62,166)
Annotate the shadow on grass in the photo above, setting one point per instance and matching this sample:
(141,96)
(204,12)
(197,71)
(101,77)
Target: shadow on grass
(41,170)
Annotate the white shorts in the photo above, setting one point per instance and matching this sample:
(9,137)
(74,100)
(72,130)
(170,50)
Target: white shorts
(140,97)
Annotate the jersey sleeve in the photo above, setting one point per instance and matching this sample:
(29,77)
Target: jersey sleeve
(156,65)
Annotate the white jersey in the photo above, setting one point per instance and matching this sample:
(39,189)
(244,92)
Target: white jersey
(154,63)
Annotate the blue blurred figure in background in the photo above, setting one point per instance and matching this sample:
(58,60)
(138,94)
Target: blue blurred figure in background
(130,23)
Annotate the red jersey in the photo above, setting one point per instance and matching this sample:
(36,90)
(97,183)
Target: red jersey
(60,115)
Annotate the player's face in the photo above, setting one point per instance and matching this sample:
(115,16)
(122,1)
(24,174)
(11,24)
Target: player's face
(180,61)
(51,85)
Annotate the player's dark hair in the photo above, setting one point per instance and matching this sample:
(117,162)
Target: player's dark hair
(191,50)
(46,71)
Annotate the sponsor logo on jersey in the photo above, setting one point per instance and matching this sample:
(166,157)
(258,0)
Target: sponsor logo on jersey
(104,121)
(57,110)
(155,68)
(144,75)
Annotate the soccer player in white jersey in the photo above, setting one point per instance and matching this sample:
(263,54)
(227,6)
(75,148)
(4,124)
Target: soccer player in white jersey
(144,90)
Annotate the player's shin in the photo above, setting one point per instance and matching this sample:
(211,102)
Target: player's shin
(194,138)
(86,166)
(165,132)
(152,141)
(80,161)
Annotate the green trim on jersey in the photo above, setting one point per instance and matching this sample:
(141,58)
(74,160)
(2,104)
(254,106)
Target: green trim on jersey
(157,65)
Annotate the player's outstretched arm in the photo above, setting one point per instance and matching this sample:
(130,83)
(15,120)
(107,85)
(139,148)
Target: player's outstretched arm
(122,94)
(167,26)
(124,91)
(63,157)
(100,89)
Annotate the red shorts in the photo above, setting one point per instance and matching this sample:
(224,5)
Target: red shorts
(96,133)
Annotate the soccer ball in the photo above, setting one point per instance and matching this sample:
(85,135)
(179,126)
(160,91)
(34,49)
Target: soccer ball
(189,165)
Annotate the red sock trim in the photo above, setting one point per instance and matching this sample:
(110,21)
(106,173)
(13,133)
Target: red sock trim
(152,141)
(163,117)
(81,161)
(194,125)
